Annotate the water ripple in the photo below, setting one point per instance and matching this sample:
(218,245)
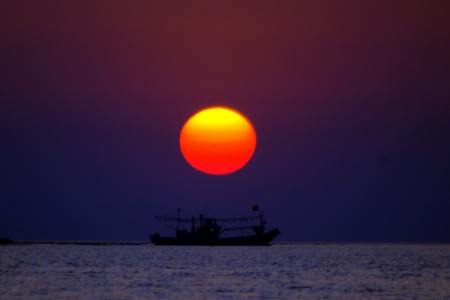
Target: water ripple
(277,272)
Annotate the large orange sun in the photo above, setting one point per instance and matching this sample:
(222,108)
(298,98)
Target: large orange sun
(217,140)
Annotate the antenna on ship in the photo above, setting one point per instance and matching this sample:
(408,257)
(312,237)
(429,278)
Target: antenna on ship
(178,218)
(256,208)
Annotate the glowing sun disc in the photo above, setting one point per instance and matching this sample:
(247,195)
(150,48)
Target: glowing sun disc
(217,140)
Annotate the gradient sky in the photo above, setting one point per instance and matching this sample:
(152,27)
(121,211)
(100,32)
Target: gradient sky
(350,101)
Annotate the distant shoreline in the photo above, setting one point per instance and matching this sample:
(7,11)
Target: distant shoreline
(79,243)
(99,243)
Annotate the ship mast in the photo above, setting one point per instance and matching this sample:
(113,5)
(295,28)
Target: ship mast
(178,219)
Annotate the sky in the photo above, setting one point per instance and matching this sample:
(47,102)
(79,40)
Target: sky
(350,101)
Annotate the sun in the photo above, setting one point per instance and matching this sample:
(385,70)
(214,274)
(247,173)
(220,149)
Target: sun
(218,140)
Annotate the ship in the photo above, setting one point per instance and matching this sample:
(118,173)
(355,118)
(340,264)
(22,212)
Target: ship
(208,232)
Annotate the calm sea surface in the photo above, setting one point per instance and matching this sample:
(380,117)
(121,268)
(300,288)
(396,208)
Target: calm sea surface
(276,272)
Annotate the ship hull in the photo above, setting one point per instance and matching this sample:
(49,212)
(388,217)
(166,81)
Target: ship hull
(190,240)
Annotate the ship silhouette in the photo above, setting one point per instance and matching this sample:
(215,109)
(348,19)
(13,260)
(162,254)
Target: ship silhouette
(207,232)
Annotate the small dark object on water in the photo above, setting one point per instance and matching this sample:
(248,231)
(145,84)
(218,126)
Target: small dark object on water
(4,241)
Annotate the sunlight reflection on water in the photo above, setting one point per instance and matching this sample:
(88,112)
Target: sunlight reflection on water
(279,271)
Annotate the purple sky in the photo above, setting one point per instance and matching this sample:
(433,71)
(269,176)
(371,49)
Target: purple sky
(350,101)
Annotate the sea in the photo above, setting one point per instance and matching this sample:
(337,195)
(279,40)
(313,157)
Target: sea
(281,271)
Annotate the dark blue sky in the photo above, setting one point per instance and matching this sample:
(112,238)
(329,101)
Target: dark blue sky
(350,102)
